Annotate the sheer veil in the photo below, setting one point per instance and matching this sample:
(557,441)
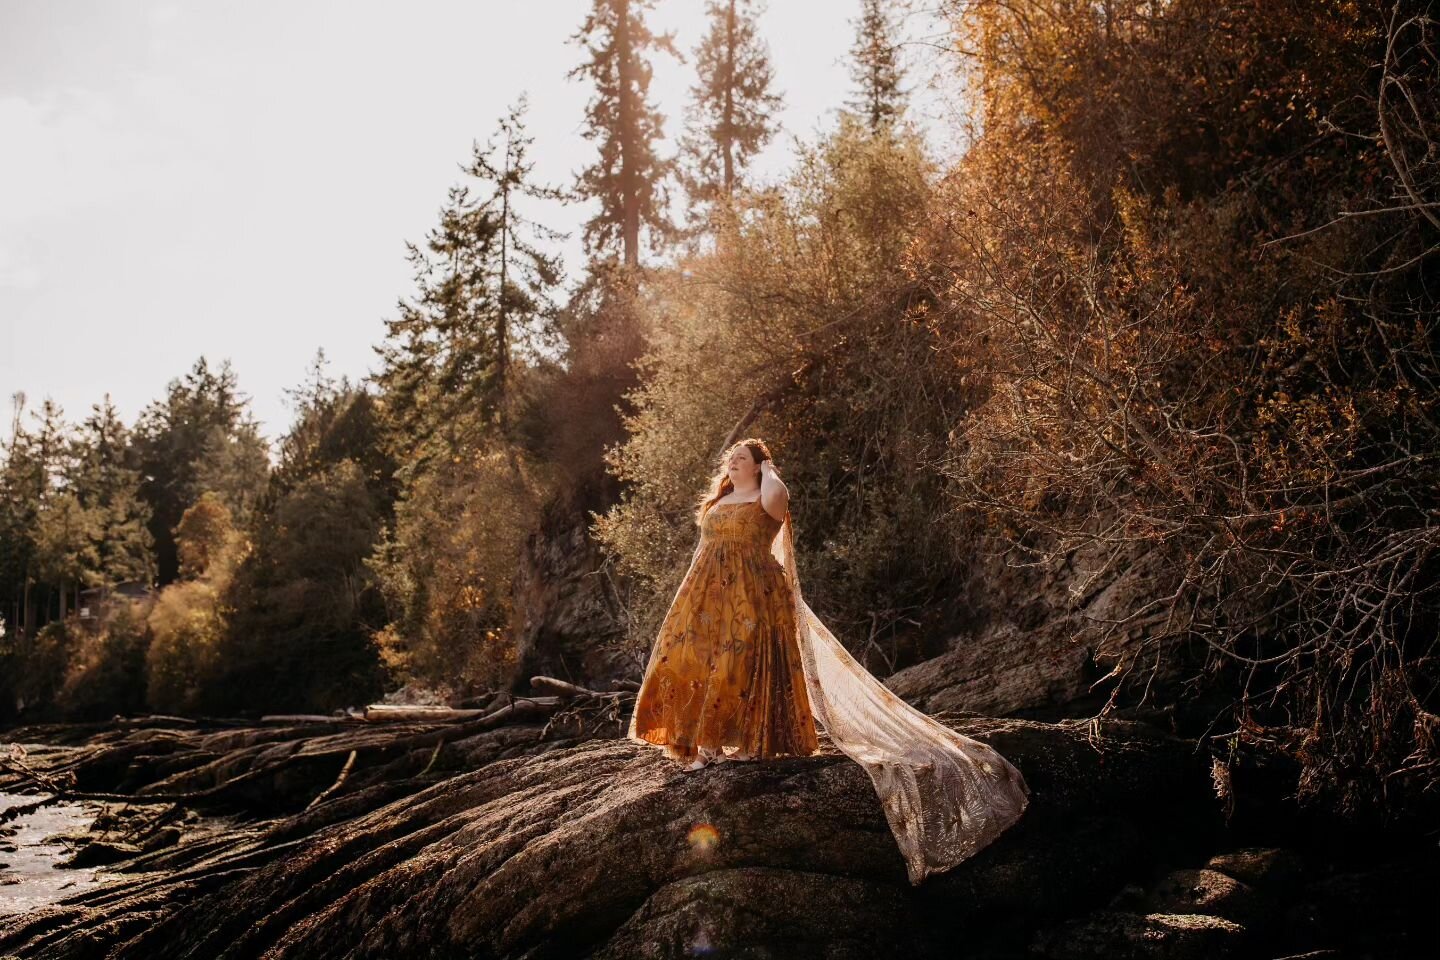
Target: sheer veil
(944,794)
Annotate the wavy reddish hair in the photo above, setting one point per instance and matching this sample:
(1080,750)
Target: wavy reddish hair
(720,484)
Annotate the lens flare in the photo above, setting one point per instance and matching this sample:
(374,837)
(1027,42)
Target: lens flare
(700,946)
(703,837)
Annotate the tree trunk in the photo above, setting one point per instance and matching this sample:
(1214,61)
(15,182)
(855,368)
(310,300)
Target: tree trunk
(728,126)
(629,179)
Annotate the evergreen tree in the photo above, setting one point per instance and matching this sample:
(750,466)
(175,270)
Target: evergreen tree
(876,68)
(199,438)
(62,528)
(436,353)
(447,365)
(106,481)
(335,420)
(66,546)
(54,450)
(628,177)
(54,533)
(303,602)
(523,274)
(318,388)
(732,109)
(235,466)
(22,483)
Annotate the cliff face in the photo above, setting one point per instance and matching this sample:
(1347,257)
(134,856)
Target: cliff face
(566,623)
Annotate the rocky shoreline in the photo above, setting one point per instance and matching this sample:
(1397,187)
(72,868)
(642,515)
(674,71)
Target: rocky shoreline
(552,837)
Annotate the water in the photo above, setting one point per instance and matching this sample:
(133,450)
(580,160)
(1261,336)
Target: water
(28,877)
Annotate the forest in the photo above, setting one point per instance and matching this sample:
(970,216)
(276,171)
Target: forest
(1132,408)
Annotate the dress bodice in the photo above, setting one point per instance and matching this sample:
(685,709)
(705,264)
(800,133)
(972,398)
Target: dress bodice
(746,523)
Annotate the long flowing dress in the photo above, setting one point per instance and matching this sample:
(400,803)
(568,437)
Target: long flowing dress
(725,671)
(723,674)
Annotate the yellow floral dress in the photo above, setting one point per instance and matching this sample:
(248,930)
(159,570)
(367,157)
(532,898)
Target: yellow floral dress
(725,671)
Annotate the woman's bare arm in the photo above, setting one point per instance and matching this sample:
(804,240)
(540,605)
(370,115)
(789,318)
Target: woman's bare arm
(774,496)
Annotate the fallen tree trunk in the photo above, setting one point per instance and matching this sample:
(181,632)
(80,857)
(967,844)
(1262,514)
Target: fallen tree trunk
(385,713)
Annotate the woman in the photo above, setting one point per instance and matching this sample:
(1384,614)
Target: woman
(742,669)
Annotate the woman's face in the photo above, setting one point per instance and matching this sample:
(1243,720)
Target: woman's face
(742,466)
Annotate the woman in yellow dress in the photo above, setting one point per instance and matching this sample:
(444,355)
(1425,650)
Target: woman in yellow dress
(742,669)
(725,680)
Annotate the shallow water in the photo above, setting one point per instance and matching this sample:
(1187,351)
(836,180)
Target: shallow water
(28,877)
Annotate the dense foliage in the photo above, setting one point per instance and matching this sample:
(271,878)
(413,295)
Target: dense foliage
(1190,261)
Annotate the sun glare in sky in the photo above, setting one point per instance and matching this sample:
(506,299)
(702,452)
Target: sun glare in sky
(237,179)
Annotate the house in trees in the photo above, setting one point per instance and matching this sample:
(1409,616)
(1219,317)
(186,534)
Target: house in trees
(95,602)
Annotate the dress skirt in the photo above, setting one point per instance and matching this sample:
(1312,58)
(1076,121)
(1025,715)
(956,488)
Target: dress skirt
(725,672)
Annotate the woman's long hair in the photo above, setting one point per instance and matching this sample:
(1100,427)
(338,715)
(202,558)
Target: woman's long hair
(720,484)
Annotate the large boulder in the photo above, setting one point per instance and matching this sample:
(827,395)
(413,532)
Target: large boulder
(1134,936)
(1044,657)
(1001,670)
(1265,868)
(1208,892)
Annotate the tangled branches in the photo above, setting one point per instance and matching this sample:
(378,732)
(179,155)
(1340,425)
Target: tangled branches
(1172,369)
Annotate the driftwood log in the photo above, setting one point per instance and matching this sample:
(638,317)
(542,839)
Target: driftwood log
(228,770)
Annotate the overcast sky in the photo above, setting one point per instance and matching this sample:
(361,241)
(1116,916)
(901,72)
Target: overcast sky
(237,179)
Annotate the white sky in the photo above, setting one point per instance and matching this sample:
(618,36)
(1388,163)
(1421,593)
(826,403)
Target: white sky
(237,179)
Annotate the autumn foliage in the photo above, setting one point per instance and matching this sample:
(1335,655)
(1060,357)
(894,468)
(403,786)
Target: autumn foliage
(1175,305)
(1195,277)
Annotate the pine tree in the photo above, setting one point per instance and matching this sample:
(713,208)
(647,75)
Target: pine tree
(318,388)
(628,177)
(524,275)
(199,438)
(66,546)
(298,452)
(876,68)
(303,602)
(65,530)
(107,482)
(235,466)
(54,449)
(26,486)
(19,504)
(334,420)
(732,109)
(437,352)
(484,300)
